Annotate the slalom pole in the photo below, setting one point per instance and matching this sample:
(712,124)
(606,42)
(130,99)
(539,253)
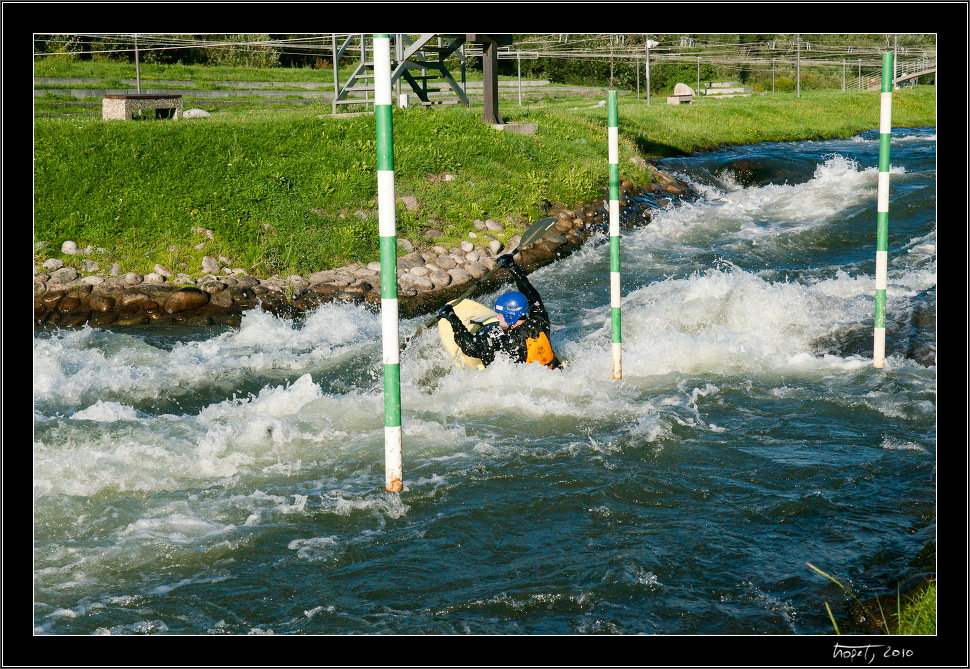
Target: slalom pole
(882,211)
(387,226)
(614,141)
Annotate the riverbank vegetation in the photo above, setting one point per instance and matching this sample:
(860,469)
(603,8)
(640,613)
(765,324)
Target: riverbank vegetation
(761,61)
(293,190)
(910,614)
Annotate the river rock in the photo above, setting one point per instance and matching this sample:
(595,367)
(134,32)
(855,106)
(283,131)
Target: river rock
(101,303)
(81,290)
(242,294)
(210,265)
(476,269)
(317,277)
(324,288)
(68,303)
(211,285)
(185,299)
(133,297)
(458,275)
(101,319)
(411,260)
(416,281)
(440,278)
(445,262)
(222,300)
(63,275)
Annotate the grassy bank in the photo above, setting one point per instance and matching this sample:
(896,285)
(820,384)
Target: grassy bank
(910,614)
(294,190)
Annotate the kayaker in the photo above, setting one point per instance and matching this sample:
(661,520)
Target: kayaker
(522,330)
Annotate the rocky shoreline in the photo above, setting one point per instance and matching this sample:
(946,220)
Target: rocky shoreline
(427,278)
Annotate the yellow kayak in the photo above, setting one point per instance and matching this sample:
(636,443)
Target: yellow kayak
(473,315)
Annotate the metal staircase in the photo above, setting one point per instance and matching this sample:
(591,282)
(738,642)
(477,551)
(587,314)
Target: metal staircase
(417,61)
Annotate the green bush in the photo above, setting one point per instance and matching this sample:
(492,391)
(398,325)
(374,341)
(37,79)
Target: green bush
(245,52)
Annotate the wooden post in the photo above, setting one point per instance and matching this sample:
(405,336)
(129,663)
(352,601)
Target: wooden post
(490,82)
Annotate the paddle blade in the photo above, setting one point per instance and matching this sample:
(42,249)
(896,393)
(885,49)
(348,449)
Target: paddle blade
(536,230)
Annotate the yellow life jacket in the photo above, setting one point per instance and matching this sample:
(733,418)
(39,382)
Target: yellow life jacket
(539,350)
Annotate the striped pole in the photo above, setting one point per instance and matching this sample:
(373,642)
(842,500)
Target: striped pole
(614,140)
(388,240)
(882,211)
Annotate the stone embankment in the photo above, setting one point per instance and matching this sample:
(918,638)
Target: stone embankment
(427,278)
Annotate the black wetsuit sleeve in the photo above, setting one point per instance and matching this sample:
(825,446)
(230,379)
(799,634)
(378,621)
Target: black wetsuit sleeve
(477,345)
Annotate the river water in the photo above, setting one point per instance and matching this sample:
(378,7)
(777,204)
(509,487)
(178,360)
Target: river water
(230,480)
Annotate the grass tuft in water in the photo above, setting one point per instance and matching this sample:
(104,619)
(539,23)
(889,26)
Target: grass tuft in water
(915,614)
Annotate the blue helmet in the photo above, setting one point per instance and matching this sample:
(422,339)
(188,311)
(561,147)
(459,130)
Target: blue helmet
(512,306)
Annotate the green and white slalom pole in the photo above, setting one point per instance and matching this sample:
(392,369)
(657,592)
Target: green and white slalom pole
(614,141)
(393,474)
(882,211)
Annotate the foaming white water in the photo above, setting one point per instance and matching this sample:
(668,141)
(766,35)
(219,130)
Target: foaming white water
(78,367)
(182,480)
(106,412)
(147,444)
(894,138)
(726,321)
(762,213)
(719,322)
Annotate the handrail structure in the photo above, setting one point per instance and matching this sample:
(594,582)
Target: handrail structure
(906,70)
(426,53)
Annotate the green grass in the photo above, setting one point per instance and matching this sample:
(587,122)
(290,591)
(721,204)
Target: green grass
(293,189)
(918,614)
(662,130)
(906,615)
(202,75)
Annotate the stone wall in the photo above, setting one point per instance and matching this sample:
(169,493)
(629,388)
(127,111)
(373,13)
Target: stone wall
(427,278)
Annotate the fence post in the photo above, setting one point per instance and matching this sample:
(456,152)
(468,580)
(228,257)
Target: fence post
(388,246)
(614,151)
(882,211)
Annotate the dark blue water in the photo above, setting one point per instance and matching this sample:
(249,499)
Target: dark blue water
(231,481)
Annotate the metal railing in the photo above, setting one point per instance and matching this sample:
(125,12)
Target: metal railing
(906,69)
